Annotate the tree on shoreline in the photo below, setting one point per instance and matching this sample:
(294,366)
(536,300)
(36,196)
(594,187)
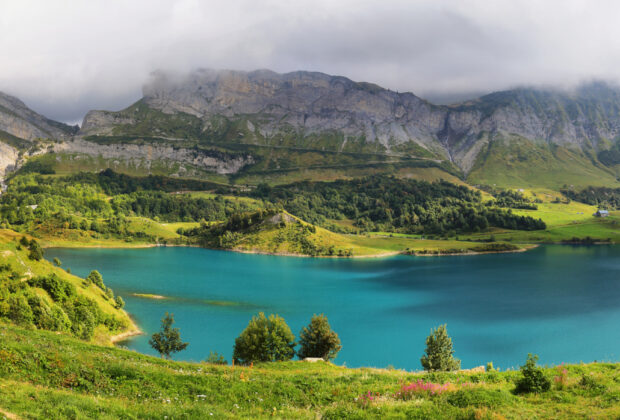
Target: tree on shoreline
(264,340)
(318,339)
(168,340)
(439,355)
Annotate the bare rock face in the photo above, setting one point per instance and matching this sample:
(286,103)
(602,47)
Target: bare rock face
(20,121)
(210,161)
(8,159)
(306,104)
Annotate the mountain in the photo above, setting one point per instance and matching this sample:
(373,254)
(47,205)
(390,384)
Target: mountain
(17,121)
(19,127)
(250,127)
(322,112)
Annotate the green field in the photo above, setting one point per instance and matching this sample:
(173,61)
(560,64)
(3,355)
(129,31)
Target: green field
(46,375)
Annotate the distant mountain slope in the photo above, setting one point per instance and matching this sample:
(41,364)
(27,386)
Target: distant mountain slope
(322,112)
(17,121)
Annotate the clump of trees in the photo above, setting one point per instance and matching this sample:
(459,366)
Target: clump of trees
(603,197)
(269,339)
(391,204)
(61,308)
(439,354)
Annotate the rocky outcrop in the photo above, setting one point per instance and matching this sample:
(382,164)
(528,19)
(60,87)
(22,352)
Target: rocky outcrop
(20,121)
(307,104)
(8,159)
(208,160)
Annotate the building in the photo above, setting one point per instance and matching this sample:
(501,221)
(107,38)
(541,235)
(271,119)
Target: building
(601,213)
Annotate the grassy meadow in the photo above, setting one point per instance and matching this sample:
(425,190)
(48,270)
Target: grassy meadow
(47,375)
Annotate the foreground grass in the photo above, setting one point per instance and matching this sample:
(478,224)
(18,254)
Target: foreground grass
(45,375)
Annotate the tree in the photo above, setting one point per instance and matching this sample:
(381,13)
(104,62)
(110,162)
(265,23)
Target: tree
(534,379)
(265,340)
(96,278)
(168,340)
(439,353)
(119,303)
(318,340)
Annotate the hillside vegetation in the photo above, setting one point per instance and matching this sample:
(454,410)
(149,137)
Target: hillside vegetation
(34,293)
(46,375)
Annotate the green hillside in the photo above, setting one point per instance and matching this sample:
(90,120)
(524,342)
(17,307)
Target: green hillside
(514,162)
(47,375)
(34,292)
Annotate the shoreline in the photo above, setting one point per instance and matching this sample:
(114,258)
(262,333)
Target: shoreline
(385,254)
(123,336)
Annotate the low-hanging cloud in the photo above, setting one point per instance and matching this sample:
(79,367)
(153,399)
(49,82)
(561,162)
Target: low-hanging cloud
(66,57)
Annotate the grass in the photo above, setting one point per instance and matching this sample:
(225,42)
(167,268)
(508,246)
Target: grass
(46,375)
(514,162)
(19,261)
(565,221)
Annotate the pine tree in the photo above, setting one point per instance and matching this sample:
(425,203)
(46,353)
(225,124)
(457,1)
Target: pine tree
(439,353)
(168,340)
(318,340)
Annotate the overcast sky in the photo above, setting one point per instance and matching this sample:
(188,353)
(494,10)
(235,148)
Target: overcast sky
(66,57)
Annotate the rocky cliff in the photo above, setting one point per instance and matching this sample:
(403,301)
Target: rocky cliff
(315,110)
(19,121)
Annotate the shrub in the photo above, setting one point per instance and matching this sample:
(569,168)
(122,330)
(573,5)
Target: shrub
(479,397)
(119,303)
(216,359)
(534,379)
(264,340)
(318,340)
(36,252)
(95,278)
(589,383)
(19,310)
(439,353)
(57,262)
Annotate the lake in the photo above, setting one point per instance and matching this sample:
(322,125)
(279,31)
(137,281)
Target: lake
(561,302)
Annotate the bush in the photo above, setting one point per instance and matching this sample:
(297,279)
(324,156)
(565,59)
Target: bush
(19,310)
(95,278)
(264,340)
(589,383)
(216,359)
(318,340)
(534,379)
(36,252)
(439,353)
(119,303)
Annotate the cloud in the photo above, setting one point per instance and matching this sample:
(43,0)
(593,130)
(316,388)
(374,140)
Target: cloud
(66,57)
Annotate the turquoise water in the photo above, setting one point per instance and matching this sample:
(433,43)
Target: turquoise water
(562,302)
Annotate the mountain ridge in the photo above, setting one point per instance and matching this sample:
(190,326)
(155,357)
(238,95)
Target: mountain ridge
(231,122)
(311,103)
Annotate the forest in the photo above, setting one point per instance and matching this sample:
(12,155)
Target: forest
(605,198)
(389,204)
